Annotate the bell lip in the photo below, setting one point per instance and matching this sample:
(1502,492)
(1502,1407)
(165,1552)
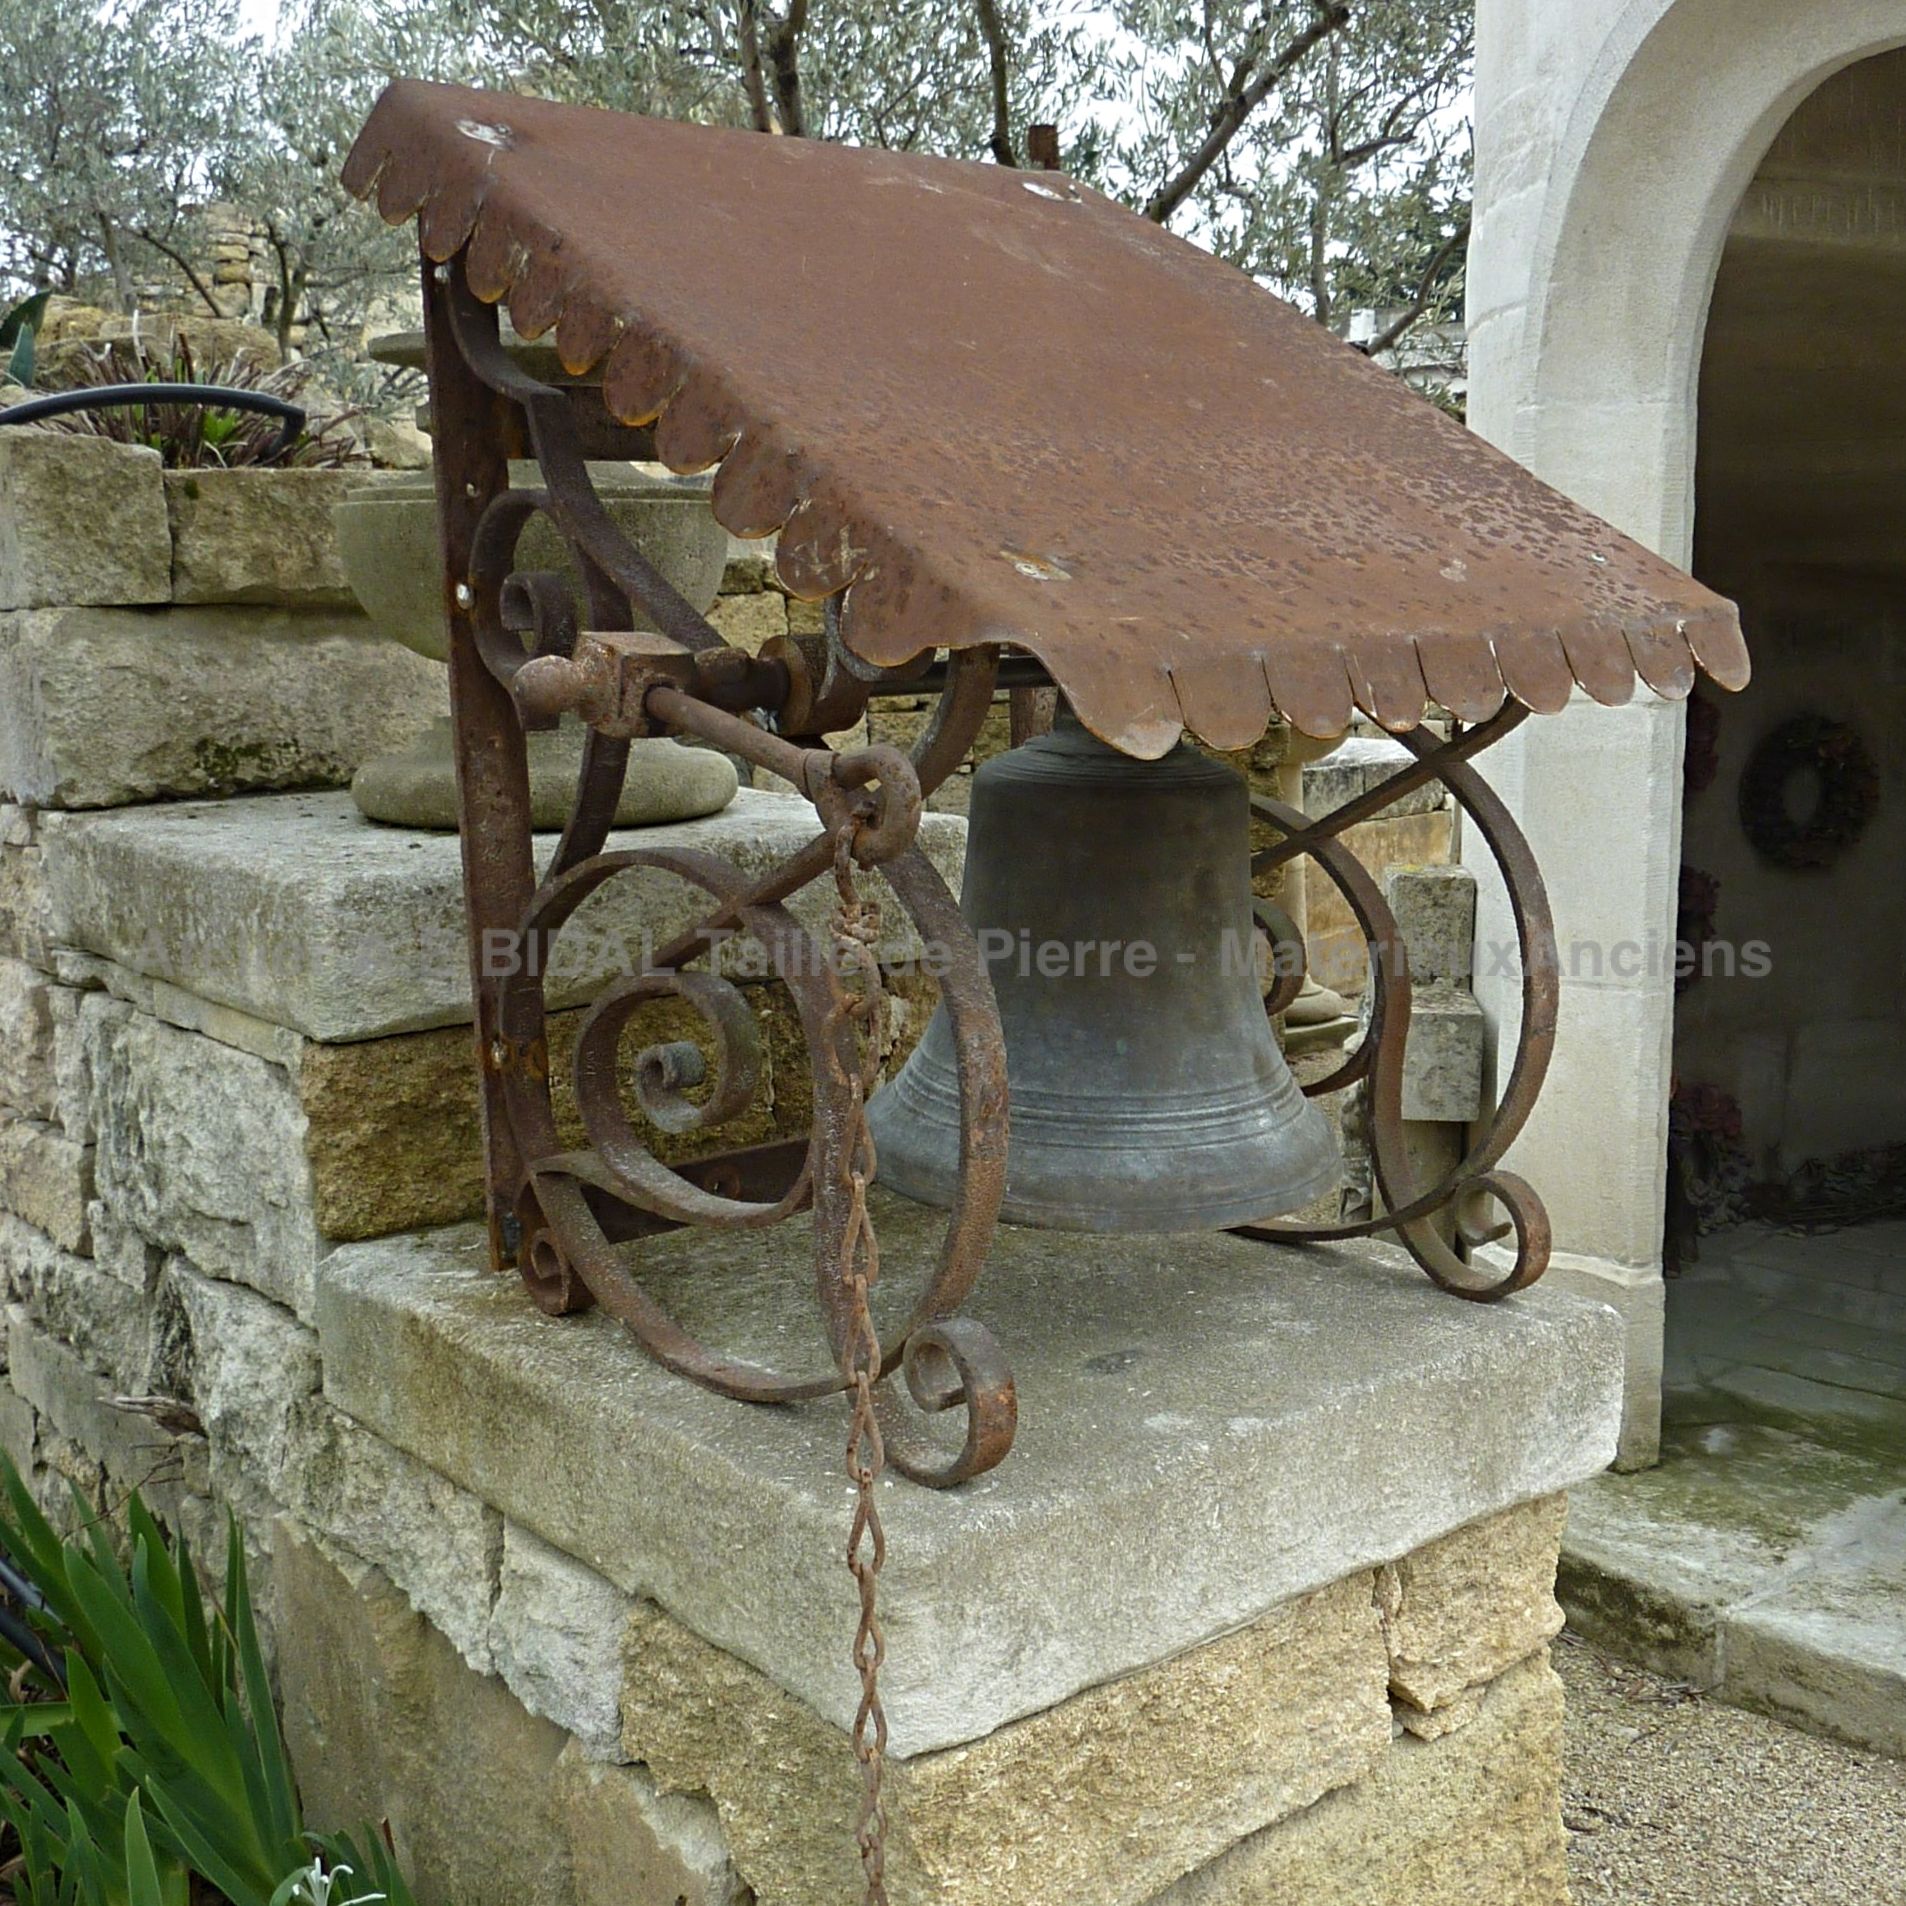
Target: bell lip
(936,1190)
(1169,1211)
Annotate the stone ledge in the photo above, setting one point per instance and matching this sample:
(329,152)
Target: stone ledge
(299,911)
(259,536)
(82,520)
(100,707)
(1241,1424)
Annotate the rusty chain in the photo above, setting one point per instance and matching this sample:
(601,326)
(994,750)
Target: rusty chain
(856,931)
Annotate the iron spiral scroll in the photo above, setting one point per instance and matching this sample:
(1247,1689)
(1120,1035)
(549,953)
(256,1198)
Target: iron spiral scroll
(560,1210)
(1378,1059)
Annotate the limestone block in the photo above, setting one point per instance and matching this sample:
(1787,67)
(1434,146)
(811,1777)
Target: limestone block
(556,1639)
(250,1365)
(1473,1819)
(168,1466)
(631,1845)
(82,520)
(384,1722)
(201,1150)
(750,567)
(1638,1296)
(1107,1797)
(99,707)
(749,621)
(1435,909)
(1444,1057)
(1462,1610)
(1331,932)
(393,1132)
(19,1430)
(1287,1419)
(347,930)
(382,1725)
(28,1082)
(258,536)
(1355,767)
(91,1312)
(47,1179)
(72,1099)
(27,929)
(438,1543)
(369,1688)
(120,1251)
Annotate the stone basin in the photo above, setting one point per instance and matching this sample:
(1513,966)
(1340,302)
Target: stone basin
(387,538)
(387,541)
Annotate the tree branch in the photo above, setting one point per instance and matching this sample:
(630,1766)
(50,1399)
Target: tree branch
(752,81)
(784,64)
(1239,104)
(197,283)
(1392,333)
(1001,142)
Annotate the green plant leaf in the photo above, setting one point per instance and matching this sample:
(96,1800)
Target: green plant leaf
(142,1871)
(20,333)
(273,1761)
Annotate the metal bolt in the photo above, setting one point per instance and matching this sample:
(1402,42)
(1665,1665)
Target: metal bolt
(465,597)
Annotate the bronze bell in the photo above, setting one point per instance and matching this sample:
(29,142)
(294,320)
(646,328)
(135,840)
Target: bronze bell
(1112,901)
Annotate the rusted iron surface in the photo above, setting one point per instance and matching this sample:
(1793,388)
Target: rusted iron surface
(560,1213)
(995,407)
(1379,1057)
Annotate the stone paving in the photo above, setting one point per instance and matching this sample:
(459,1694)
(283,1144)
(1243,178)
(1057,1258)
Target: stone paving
(1765,1559)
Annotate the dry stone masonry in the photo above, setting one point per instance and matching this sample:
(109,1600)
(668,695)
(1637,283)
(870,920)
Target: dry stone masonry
(1259,1610)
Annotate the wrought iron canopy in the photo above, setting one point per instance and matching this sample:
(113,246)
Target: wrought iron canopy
(995,407)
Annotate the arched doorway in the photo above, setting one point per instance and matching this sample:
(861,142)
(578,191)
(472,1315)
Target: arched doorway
(1614,141)
(1790,1032)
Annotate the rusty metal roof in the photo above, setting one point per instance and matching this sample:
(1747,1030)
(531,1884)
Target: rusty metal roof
(997,407)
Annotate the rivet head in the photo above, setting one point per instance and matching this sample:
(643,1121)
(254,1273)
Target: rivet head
(464,595)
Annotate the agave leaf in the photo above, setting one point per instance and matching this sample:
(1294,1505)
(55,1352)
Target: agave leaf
(192,1611)
(36,1549)
(84,1865)
(93,1721)
(201,1850)
(199,1738)
(20,333)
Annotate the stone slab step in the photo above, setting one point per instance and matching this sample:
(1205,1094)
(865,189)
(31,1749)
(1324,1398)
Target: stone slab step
(299,911)
(1766,1564)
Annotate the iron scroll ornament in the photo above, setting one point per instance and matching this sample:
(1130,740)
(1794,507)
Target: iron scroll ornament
(559,1212)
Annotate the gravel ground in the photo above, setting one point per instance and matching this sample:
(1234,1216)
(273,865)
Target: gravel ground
(1674,1800)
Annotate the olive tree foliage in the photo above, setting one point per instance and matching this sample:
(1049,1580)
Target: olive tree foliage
(329,263)
(113,118)
(1322,145)
(913,77)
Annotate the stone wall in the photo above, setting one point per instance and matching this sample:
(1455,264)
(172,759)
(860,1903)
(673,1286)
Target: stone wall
(576,1628)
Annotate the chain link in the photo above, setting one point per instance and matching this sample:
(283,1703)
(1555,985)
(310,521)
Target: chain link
(856,933)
